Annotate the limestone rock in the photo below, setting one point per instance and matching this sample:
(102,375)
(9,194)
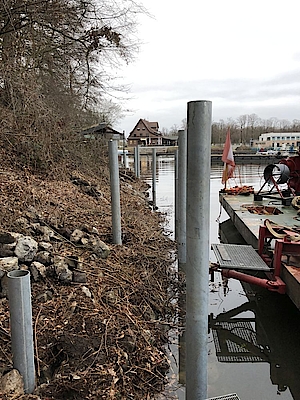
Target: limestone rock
(86,291)
(9,264)
(37,270)
(76,236)
(43,257)
(62,270)
(84,241)
(45,246)
(16,235)
(12,384)
(26,248)
(98,247)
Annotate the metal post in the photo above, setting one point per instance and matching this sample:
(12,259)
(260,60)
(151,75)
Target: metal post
(19,293)
(135,160)
(154,178)
(176,196)
(181,198)
(124,154)
(197,249)
(138,164)
(115,191)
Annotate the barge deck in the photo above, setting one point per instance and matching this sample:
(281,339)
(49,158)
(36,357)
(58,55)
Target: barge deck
(247,224)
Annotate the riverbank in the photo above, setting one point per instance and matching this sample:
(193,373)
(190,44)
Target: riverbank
(101,334)
(240,157)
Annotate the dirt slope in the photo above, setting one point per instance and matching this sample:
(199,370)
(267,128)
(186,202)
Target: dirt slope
(102,338)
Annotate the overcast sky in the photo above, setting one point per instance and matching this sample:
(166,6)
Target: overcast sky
(242,55)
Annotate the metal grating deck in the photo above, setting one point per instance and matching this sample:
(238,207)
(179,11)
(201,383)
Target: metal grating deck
(233,256)
(232,396)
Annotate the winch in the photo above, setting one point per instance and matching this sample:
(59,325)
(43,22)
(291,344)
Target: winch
(286,172)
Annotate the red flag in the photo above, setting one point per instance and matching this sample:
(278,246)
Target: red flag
(228,159)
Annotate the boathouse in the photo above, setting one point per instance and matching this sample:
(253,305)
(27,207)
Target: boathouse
(145,133)
(102,131)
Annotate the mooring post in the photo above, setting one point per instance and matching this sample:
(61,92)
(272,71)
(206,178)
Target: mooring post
(197,246)
(115,191)
(181,197)
(124,153)
(137,161)
(19,296)
(154,178)
(176,196)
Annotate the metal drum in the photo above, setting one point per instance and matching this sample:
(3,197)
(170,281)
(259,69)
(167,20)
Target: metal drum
(279,172)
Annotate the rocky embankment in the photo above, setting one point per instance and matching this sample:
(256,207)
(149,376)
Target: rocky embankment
(100,311)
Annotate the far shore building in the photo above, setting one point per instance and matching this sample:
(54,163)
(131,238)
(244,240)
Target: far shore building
(104,132)
(145,133)
(278,140)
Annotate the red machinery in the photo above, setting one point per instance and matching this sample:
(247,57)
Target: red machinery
(287,171)
(283,246)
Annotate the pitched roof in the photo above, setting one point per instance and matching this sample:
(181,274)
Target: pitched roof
(151,127)
(100,128)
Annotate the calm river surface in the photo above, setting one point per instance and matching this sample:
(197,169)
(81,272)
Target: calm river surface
(254,340)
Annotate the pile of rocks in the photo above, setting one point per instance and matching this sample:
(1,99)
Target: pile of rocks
(38,254)
(18,251)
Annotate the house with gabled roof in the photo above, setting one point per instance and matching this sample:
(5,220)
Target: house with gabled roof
(145,133)
(103,131)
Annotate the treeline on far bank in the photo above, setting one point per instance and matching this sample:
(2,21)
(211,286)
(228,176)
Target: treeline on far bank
(247,127)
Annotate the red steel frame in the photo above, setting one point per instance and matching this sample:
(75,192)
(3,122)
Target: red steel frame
(282,246)
(274,283)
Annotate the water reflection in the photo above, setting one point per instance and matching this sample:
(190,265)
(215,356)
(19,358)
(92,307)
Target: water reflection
(253,340)
(263,330)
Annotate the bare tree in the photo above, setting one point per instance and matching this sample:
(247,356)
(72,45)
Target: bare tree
(285,125)
(75,39)
(296,125)
(173,130)
(253,121)
(242,121)
(164,131)
(57,61)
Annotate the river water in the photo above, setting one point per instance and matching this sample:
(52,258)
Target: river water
(254,338)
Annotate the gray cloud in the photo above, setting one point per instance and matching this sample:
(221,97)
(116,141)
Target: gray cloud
(274,97)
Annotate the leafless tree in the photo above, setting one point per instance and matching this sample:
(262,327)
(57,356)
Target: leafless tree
(242,121)
(57,61)
(253,121)
(183,123)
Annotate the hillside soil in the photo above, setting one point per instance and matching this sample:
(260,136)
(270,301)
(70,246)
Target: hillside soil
(103,337)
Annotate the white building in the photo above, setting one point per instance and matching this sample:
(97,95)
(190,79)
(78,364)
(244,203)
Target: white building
(278,140)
